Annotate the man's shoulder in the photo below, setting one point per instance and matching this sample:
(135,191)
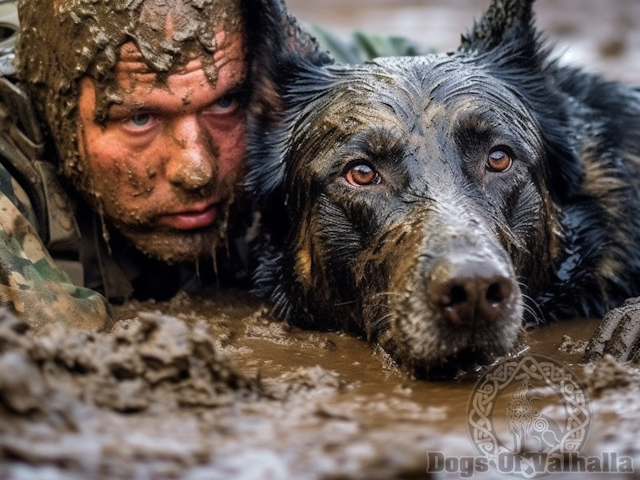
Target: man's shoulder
(24,156)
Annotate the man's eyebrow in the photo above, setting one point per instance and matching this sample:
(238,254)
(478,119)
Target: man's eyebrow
(241,87)
(126,108)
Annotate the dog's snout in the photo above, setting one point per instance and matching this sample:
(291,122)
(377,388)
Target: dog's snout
(469,292)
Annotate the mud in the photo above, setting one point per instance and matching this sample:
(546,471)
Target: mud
(212,387)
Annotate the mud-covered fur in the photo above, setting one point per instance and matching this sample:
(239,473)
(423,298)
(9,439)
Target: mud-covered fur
(435,203)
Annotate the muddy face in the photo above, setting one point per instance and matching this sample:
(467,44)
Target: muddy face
(142,103)
(170,182)
(418,209)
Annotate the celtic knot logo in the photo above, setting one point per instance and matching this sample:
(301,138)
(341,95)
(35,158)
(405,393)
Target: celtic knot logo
(525,413)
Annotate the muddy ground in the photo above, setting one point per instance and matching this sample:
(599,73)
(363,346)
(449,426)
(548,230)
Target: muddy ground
(211,387)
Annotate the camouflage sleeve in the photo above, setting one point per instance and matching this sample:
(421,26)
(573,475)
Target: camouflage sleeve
(360,47)
(31,285)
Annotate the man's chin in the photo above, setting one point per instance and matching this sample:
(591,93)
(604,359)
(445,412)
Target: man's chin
(176,246)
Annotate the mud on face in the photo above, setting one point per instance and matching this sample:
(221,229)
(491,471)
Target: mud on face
(63,41)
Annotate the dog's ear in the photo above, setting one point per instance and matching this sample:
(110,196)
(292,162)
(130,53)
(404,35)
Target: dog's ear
(272,29)
(277,47)
(506,42)
(279,51)
(507,28)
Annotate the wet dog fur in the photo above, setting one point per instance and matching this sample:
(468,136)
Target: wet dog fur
(437,204)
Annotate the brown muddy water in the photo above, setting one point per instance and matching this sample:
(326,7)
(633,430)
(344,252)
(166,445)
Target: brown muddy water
(212,387)
(225,391)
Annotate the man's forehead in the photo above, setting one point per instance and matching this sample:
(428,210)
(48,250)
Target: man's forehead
(130,53)
(228,48)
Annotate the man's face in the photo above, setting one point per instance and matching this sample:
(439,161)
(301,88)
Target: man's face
(167,164)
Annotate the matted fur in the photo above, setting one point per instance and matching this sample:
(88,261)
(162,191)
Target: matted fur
(554,235)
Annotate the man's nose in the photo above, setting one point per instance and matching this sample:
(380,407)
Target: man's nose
(192,159)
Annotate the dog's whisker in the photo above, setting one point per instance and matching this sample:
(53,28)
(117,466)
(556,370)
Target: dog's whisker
(533,313)
(344,304)
(380,324)
(387,294)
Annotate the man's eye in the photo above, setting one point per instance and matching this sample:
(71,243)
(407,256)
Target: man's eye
(225,104)
(226,101)
(139,120)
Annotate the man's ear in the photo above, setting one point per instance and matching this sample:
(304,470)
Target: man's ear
(507,28)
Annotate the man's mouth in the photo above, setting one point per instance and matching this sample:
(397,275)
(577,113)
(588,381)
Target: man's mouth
(190,219)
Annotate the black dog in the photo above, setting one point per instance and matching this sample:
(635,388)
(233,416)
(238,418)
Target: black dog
(434,203)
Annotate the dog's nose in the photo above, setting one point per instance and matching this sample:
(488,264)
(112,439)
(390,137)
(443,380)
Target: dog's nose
(470,292)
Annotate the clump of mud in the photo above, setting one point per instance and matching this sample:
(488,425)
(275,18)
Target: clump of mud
(607,374)
(569,345)
(95,404)
(159,398)
(150,362)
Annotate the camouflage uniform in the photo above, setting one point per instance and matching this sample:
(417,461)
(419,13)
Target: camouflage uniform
(54,263)
(32,284)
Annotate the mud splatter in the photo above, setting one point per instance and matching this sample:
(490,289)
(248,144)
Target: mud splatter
(608,374)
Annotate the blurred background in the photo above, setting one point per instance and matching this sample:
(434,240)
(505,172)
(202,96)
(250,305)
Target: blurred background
(603,36)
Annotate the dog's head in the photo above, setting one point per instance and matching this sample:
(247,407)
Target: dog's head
(409,199)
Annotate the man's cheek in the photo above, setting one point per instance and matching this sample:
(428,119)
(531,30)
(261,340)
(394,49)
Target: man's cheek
(132,182)
(232,164)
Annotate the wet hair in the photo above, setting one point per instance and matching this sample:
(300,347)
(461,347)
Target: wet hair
(62,41)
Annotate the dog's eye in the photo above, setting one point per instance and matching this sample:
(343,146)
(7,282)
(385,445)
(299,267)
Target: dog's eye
(499,161)
(362,174)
